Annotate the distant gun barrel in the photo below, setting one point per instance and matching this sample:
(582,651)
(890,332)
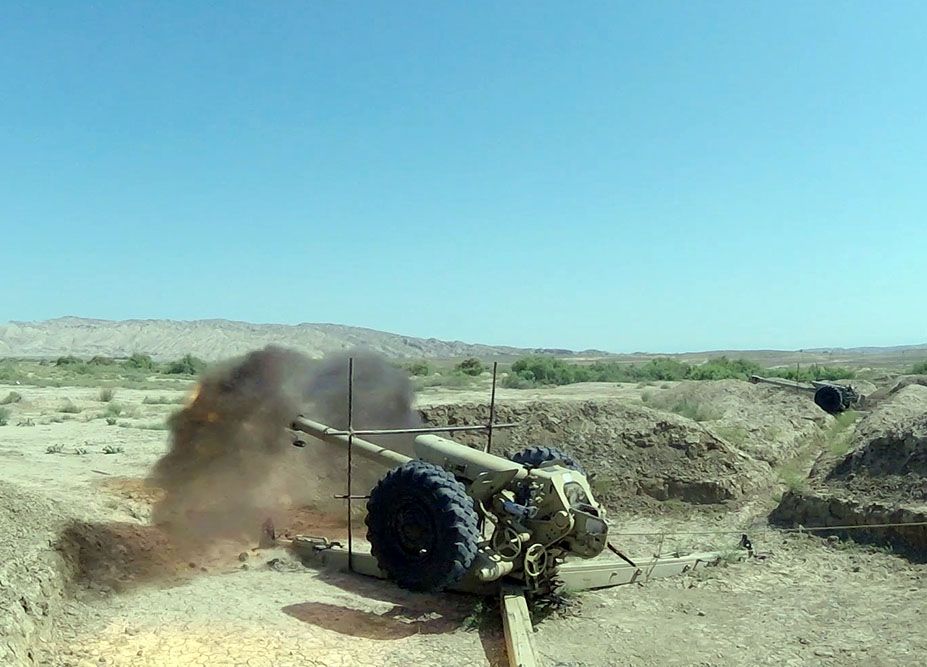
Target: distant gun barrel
(830,397)
(365,448)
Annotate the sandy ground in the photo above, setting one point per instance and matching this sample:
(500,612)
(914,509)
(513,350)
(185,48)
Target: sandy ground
(808,602)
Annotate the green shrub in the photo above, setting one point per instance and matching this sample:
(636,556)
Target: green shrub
(700,412)
(514,381)
(470,366)
(12,397)
(4,416)
(106,395)
(110,421)
(722,368)
(186,365)
(540,370)
(102,361)
(419,368)
(919,368)
(69,360)
(139,362)
(69,408)
(113,410)
(453,379)
(839,436)
(9,373)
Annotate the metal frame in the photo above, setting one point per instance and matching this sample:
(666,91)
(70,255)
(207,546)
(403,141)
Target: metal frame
(351,432)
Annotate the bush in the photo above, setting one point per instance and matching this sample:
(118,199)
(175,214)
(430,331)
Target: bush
(513,381)
(12,397)
(69,408)
(723,368)
(8,373)
(4,416)
(471,366)
(694,410)
(919,368)
(113,410)
(453,379)
(69,360)
(186,365)
(539,370)
(140,362)
(106,395)
(102,361)
(544,370)
(419,368)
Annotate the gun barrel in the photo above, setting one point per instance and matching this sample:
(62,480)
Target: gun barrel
(365,448)
(779,382)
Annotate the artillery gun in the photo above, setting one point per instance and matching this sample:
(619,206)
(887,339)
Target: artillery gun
(456,513)
(831,397)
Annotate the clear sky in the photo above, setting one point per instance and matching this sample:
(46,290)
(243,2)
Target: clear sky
(628,176)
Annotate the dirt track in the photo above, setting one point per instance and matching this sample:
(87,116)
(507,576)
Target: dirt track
(810,602)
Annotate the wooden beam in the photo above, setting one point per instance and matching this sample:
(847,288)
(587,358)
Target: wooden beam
(516,621)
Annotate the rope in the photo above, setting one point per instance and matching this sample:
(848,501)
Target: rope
(804,529)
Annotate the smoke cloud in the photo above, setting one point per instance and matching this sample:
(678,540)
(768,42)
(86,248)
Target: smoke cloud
(232,464)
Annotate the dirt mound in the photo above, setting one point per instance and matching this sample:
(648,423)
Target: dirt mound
(768,423)
(889,458)
(636,454)
(829,507)
(33,577)
(883,479)
(877,397)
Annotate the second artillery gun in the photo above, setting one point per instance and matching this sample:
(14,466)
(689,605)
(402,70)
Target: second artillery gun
(831,397)
(456,513)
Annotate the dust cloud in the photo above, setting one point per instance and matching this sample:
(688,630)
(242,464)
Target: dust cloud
(232,465)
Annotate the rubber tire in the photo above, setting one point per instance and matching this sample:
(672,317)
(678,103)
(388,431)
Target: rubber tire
(453,536)
(536,455)
(829,399)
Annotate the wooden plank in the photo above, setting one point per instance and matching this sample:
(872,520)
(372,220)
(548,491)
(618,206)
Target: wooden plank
(516,621)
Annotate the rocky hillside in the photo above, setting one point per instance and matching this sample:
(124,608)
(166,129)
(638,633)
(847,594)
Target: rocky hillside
(218,339)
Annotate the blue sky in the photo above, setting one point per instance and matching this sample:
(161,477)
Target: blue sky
(626,176)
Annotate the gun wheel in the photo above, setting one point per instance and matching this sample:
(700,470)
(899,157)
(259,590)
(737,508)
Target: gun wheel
(422,527)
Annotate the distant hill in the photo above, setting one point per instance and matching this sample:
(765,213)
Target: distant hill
(218,339)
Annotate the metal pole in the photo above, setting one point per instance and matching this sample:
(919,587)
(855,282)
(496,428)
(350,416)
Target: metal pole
(492,407)
(350,461)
